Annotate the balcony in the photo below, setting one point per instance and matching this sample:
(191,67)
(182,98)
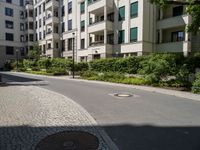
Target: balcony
(52,19)
(173,22)
(51,3)
(99,26)
(183,46)
(50,35)
(96,4)
(101,48)
(29,4)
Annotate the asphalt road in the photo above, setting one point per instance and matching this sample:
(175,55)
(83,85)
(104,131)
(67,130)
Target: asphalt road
(145,121)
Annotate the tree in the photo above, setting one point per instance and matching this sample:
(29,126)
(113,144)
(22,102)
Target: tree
(193,9)
(35,52)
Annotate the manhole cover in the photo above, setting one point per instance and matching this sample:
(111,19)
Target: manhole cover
(73,140)
(123,95)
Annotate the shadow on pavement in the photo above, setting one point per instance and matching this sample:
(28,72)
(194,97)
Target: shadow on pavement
(126,137)
(13,80)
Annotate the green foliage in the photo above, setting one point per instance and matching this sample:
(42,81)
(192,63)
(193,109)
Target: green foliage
(61,63)
(196,84)
(135,81)
(35,52)
(44,63)
(29,63)
(124,65)
(80,67)
(157,66)
(57,71)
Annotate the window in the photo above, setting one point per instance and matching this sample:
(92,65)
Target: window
(9,12)
(82,7)
(40,9)
(133,34)
(43,21)
(43,7)
(9,37)
(9,24)
(69,24)
(70,7)
(21,15)
(40,35)
(70,44)
(122,13)
(21,3)
(63,11)
(36,24)
(21,27)
(21,38)
(63,27)
(8,1)
(40,23)
(43,34)
(31,37)
(35,12)
(178,11)
(134,10)
(178,36)
(83,26)
(22,51)
(82,43)
(9,50)
(121,37)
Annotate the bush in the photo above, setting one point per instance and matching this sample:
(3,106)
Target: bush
(128,65)
(57,71)
(80,67)
(44,63)
(135,81)
(61,63)
(196,84)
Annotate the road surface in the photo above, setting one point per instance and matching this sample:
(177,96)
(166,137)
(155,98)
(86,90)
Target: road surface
(145,121)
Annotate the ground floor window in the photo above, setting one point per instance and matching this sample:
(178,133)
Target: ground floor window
(9,50)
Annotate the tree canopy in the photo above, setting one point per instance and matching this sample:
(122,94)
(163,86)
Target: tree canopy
(193,9)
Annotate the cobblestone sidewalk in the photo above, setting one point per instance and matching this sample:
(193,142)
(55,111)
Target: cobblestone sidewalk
(29,113)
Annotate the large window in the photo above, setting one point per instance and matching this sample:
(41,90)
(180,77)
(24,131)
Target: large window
(178,36)
(8,1)
(9,24)
(69,24)
(83,26)
(134,10)
(9,50)
(133,34)
(82,7)
(121,37)
(70,7)
(9,37)
(122,13)
(178,11)
(21,2)
(9,12)
(82,43)
(70,44)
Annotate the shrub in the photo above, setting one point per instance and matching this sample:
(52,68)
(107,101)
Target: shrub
(196,84)
(135,81)
(29,63)
(57,71)
(61,63)
(44,63)
(80,67)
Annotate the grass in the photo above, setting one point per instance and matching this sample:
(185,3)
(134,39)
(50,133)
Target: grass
(40,73)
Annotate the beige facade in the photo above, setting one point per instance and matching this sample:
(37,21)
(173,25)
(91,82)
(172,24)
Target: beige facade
(99,28)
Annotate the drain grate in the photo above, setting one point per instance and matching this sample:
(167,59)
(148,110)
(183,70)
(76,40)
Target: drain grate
(69,140)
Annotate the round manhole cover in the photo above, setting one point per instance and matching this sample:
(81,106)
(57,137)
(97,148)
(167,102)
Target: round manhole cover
(123,95)
(73,140)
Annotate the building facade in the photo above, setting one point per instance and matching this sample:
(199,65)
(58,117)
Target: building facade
(94,29)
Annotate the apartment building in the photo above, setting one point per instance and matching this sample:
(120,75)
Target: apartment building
(94,29)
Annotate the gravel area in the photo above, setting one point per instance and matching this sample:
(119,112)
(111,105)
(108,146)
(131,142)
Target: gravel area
(29,113)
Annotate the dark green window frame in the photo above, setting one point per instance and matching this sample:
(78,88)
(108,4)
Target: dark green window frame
(122,13)
(134,10)
(134,34)
(121,36)
(82,7)
(82,25)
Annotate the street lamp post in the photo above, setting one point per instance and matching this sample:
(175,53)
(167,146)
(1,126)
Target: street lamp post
(73,65)
(17,58)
